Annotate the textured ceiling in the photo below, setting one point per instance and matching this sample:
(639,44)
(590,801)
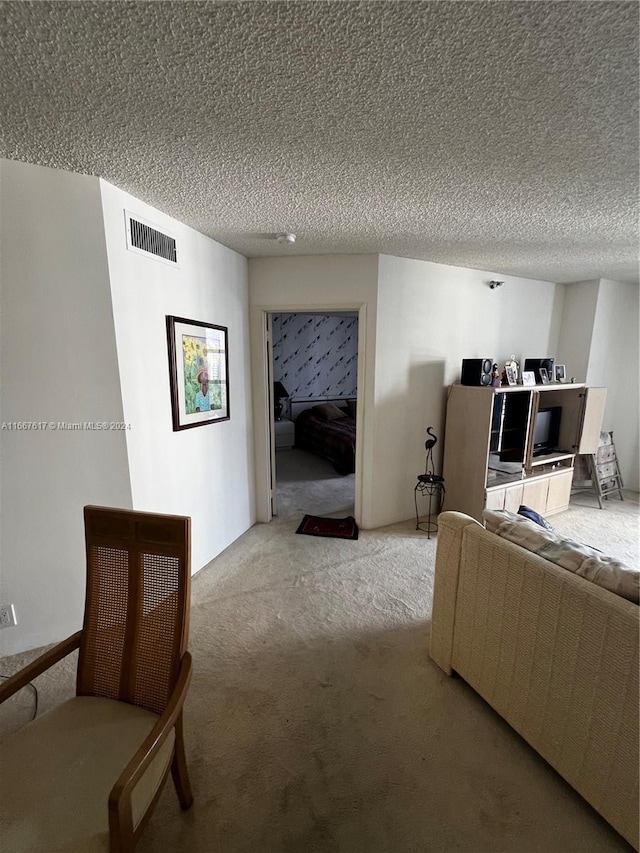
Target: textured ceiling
(494,135)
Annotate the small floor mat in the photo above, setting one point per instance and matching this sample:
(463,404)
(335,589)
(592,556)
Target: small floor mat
(336,528)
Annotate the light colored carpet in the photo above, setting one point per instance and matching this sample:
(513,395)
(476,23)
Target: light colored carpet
(307,484)
(317,722)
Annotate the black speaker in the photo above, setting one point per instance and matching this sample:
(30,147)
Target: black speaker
(477,371)
(536,363)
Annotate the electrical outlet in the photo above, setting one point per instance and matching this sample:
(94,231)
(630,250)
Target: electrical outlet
(7,616)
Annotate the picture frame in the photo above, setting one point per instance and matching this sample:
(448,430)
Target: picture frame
(512,378)
(528,377)
(198,372)
(560,373)
(544,376)
(515,366)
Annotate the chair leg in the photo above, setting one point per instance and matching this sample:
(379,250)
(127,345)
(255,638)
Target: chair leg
(179,770)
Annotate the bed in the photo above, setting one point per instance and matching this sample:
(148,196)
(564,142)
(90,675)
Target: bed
(319,430)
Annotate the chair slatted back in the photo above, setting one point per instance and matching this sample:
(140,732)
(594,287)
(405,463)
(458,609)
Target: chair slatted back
(136,618)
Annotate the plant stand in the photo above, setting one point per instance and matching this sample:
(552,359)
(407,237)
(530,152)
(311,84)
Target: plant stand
(430,486)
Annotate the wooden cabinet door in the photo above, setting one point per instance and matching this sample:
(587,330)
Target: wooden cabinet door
(495,499)
(559,491)
(534,494)
(581,419)
(513,497)
(571,400)
(594,403)
(466,448)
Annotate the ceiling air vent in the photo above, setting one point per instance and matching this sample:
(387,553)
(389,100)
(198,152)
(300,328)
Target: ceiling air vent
(144,238)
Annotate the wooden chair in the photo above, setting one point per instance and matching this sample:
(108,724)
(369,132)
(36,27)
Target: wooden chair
(86,775)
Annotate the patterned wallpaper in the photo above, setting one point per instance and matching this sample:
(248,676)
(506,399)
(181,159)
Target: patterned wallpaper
(316,355)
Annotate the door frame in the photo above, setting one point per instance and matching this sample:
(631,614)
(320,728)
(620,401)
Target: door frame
(264,438)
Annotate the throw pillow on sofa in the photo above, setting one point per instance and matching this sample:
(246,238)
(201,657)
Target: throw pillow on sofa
(590,564)
(532,515)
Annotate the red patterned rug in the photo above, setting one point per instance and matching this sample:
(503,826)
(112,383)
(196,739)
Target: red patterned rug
(337,528)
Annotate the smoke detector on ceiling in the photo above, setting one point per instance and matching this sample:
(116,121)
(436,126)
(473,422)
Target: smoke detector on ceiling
(286,239)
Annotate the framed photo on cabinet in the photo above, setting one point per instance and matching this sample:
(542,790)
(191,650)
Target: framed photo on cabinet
(544,376)
(198,372)
(512,377)
(528,377)
(560,373)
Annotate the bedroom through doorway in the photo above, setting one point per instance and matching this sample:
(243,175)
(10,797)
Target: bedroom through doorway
(315,374)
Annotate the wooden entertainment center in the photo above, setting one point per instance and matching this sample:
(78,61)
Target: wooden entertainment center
(491,458)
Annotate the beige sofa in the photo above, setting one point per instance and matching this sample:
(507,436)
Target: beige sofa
(555,655)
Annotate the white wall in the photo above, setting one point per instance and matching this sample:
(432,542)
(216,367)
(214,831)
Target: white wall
(326,282)
(613,363)
(206,472)
(82,339)
(430,317)
(58,363)
(576,331)
(422,320)
(599,345)
(316,355)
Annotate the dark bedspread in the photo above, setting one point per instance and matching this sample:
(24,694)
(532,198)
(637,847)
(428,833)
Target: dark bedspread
(334,440)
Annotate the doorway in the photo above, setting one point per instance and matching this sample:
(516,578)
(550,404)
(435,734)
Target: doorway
(313,358)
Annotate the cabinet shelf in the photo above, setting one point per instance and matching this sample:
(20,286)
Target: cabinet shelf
(551,458)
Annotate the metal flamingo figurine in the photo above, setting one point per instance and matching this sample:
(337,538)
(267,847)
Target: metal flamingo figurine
(430,485)
(429,445)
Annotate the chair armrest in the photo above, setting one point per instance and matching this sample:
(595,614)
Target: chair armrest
(38,666)
(120,815)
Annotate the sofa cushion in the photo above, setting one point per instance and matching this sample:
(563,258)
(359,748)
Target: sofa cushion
(590,564)
(63,766)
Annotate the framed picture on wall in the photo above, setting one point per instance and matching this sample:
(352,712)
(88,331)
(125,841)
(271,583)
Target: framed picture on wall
(198,372)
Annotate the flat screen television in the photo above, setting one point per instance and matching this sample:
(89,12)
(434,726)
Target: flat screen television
(546,430)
